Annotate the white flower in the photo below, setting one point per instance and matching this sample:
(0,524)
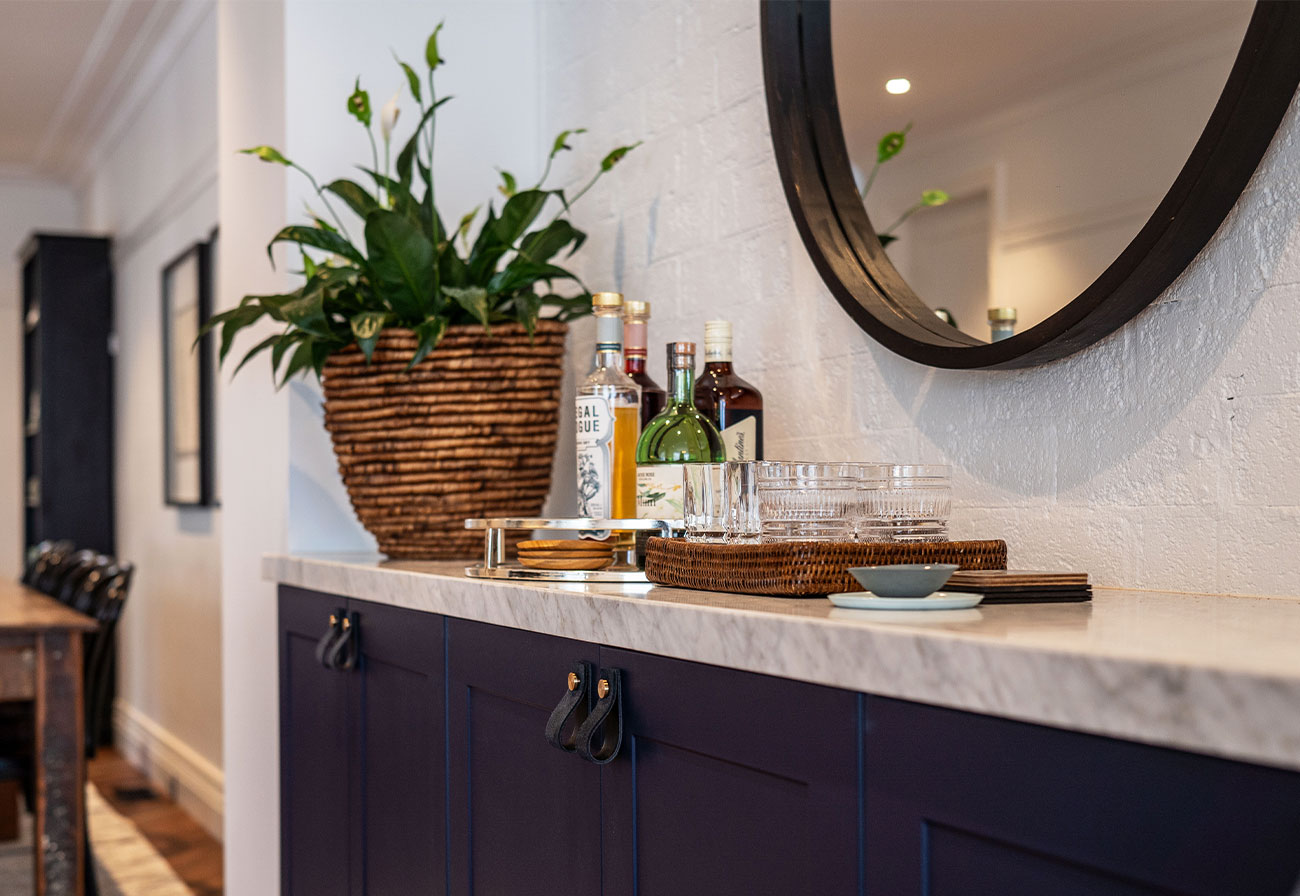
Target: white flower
(388,116)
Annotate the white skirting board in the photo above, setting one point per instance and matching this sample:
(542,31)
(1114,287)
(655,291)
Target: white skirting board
(195,784)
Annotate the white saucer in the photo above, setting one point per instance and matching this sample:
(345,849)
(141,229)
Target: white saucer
(940,600)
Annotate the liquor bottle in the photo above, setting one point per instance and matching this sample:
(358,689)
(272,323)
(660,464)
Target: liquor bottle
(731,404)
(636,315)
(608,409)
(678,435)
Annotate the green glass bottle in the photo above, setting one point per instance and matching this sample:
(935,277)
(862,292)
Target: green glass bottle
(678,435)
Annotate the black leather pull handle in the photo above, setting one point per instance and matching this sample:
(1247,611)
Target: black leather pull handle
(573,706)
(605,721)
(327,640)
(343,652)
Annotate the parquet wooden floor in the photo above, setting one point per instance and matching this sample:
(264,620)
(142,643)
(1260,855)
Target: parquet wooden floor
(193,853)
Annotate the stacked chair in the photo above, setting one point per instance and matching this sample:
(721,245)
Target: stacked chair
(96,585)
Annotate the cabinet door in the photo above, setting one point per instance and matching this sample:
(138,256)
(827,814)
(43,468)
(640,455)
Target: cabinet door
(314,764)
(524,817)
(398,771)
(966,804)
(730,783)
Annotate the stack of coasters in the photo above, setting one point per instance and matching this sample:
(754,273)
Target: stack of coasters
(1017,586)
(565,554)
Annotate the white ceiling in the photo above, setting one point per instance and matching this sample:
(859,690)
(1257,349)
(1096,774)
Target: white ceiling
(65,66)
(967,59)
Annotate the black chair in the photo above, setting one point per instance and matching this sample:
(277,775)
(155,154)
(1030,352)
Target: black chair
(48,554)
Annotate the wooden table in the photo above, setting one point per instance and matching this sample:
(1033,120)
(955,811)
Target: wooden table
(41,641)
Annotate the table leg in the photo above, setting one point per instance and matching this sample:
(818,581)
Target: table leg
(60,820)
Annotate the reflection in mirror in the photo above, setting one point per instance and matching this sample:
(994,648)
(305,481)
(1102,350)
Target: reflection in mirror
(1039,136)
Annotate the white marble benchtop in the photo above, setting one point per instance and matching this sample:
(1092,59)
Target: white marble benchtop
(1213,674)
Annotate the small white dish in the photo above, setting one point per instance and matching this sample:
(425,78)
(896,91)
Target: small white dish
(940,600)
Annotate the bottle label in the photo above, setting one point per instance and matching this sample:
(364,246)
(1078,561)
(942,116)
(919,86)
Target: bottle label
(659,491)
(741,439)
(595,434)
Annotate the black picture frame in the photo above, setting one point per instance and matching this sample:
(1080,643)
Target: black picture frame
(189,462)
(808,140)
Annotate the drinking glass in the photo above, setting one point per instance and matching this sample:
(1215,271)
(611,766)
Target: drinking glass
(911,504)
(704,502)
(741,490)
(806,501)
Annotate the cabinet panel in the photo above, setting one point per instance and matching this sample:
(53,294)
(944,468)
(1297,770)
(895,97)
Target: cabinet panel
(730,782)
(524,817)
(960,803)
(314,764)
(399,774)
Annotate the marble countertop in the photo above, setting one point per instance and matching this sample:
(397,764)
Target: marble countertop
(1213,674)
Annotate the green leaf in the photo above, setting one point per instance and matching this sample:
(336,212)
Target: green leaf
(288,340)
(307,311)
(300,361)
(430,334)
(355,195)
(317,238)
(359,104)
(527,306)
(258,349)
(931,198)
(308,265)
(431,56)
(412,80)
(232,322)
(401,264)
(518,212)
(411,150)
(520,273)
(615,156)
(562,141)
(508,184)
(540,245)
(891,144)
(473,299)
(571,307)
(466,220)
(366,327)
(267,154)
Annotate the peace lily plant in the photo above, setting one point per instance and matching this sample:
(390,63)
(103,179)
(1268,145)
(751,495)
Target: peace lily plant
(408,270)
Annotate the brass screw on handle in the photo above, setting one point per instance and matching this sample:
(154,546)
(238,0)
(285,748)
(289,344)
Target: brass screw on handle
(347,623)
(334,620)
(602,688)
(574,681)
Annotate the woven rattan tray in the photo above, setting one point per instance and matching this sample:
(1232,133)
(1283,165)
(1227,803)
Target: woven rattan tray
(799,568)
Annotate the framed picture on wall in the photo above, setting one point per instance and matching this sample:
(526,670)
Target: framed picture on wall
(188,433)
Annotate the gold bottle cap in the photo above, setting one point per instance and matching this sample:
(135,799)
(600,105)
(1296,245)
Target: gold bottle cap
(1002,314)
(636,308)
(606,299)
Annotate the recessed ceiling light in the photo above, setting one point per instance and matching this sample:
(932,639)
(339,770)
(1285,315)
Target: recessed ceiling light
(898,85)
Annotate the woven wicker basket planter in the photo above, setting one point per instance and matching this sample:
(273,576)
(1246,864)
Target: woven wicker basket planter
(469,432)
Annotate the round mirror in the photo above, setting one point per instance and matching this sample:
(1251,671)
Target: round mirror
(996,184)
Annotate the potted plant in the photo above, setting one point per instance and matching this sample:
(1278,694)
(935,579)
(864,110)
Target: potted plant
(440,350)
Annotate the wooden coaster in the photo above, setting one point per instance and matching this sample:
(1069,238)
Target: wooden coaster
(572,563)
(566,544)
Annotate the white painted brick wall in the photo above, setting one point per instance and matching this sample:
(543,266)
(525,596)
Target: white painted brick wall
(1164,457)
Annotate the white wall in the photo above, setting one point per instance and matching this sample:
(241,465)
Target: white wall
(151,183)
(26,206)
(285,71)
(1161,458)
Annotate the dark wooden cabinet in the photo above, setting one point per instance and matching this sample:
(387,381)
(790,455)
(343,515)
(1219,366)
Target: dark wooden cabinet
(68,391)
(730,783)
(524,817)
(426,770)
(363,752)
(961,804)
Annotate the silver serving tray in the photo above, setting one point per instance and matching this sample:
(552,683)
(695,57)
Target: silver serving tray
(495,565)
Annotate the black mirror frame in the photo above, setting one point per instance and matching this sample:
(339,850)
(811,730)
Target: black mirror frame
(810,151)
(202,354)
